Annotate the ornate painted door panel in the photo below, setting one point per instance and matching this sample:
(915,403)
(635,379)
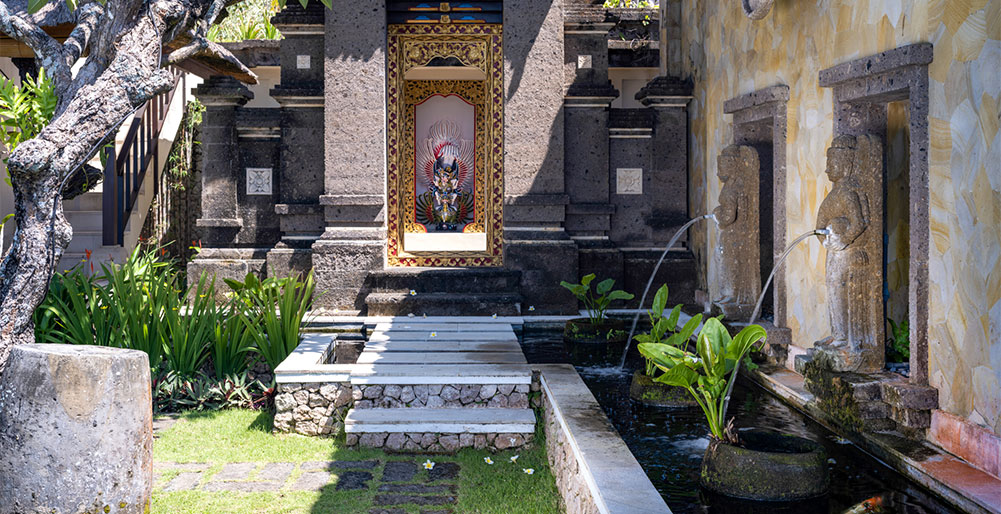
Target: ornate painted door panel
(445,145)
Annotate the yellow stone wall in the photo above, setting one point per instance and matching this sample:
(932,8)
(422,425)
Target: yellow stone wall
(728,55)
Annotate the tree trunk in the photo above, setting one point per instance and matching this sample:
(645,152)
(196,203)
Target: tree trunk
(40,238)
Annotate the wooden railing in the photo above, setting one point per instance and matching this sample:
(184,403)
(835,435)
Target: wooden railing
(126,167)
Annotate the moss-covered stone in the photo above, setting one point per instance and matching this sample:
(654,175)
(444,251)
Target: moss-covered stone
(769,466)
(580,330)
(645,390)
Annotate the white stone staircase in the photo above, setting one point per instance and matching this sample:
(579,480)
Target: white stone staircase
(440,386)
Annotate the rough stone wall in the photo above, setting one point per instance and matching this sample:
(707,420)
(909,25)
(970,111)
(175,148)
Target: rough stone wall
(441,396)
(428,442)
(727,55)
(563,463)
(312,409)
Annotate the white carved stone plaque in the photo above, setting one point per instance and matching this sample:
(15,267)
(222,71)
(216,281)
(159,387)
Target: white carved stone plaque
(583,62)
(629,181)
(259,181)
(302,62)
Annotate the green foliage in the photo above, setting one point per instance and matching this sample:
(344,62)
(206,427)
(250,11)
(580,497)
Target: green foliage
(899,348)
(664,329)
(173,392)
(250,19)
(26,109)
(708,373)
(596,302)
(272,310)
(189,333)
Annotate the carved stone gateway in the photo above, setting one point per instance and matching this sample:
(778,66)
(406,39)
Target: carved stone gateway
(852,213)
(737,216)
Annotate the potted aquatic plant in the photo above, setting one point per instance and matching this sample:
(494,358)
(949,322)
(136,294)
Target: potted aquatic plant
(751,464)
(597,327)
(645,388)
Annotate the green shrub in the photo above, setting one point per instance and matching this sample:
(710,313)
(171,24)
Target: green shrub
(664,329)
(278,306)
(173,392)
(190,332)
(596,302)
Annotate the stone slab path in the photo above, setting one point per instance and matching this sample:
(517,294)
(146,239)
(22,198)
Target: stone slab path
(400,483)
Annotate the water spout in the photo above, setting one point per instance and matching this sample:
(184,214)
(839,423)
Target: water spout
(761,298)
(670,244)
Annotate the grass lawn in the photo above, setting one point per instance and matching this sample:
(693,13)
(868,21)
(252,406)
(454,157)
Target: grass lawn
(239,436)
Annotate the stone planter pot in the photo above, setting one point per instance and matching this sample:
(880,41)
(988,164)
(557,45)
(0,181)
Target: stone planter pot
(580,330)
(769,467)
(647,391)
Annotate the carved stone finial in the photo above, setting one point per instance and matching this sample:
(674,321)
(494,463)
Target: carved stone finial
(852,215)
(737,216)
(756,9)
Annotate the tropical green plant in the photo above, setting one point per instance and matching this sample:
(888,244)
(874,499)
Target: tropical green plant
(278,306)
(232,345)
(664,329)
(708,373)
(26,109)
(190,332)
(630,4)
(596,302)
(70,310)
(250,19)
(173,392)
(900,341)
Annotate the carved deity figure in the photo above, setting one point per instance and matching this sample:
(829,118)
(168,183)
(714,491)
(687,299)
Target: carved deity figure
(737,217)
(852,216)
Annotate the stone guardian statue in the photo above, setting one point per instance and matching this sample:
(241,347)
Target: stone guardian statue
(737,217)
(852,215)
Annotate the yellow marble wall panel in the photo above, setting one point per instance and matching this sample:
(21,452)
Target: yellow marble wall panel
(727,55)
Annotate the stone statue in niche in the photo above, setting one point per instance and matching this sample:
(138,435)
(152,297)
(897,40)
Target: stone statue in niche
(852,215)
(737,216)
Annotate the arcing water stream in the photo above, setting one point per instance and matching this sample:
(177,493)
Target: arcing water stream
(670,244)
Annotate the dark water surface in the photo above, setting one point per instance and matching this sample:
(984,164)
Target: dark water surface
(669,443)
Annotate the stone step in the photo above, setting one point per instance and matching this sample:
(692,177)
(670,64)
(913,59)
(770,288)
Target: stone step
(414,358)
(420,325)
(433,335)
(443,304)
(412,374)
(442,346)
(445,280)
(450,421)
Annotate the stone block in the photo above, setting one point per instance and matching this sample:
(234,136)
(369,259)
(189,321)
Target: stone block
(904,395)
(911,418)
(75,420)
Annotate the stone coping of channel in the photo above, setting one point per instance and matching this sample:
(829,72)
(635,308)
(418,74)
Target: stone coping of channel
(959,483)
(616,481)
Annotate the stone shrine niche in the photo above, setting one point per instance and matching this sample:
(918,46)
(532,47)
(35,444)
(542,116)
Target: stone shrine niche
(445,145)
(737,218)
(852,215)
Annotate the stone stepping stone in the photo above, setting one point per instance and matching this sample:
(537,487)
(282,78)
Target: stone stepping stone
(418,488)
(446,511)
(387,511)
(399,471)
(444,471)
(442,346)
(235,471)
(276,471)
(398,499)
(432,358)
(353,480)
(426,335)
(421,325)
(312,481)
(185,481)
(339,464)
(243,487)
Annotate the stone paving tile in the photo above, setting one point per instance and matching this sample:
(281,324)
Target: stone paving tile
(235,471)
(387,511)
(353,480)
(276,471)
(162,423)
(312,481)
(444,471)
(243,487)
(184,481)
(446,511)
(329,465)
(417,489)
(399,471)
(397,499)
